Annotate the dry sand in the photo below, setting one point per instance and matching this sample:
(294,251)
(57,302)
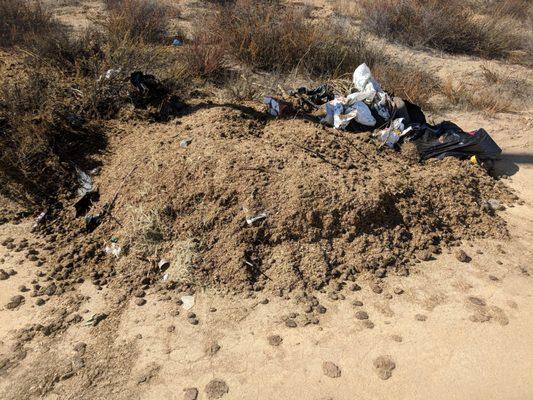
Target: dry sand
(450,330)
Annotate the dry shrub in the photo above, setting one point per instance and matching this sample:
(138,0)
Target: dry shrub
(409,83)
(143,20)
(479,98)
(21,22)
(517,9)
(276,37)
(449,26)
(42,138)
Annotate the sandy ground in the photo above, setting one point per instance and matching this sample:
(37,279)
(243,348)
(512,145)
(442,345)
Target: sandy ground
(456,331)
(153,352)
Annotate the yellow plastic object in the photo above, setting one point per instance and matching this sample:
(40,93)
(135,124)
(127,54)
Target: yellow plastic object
(473,160)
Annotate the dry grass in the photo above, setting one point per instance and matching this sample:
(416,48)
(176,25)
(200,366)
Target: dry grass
(43,138)
(23,21)
(272,37)
(450,26)
(409,83)
(479,98)
(142,20)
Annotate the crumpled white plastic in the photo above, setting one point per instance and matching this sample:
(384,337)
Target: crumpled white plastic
(357,105)
(340,111)
(370,91)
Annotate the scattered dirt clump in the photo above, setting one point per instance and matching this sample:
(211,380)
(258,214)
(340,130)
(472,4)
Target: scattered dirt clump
(216,389)
(384,366)
(331,370)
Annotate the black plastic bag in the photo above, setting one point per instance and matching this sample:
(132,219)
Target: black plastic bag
(447,139)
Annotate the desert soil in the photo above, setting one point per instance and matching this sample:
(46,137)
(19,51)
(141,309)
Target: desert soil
(449,330)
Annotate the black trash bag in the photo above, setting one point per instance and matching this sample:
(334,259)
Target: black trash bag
(146,83)
(315,97)
(447,139)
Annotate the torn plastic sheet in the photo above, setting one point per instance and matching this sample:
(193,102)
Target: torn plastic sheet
(370,91)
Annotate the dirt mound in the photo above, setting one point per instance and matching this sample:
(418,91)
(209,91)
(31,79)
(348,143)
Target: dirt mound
(252,202)
(233,198)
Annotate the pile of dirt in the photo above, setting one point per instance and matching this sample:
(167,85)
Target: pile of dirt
(331,204)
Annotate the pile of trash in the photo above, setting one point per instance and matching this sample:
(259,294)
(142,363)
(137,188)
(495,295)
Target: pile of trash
(395,121)
(231,199)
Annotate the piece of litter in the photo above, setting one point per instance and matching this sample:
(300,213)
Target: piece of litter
(113,249)
(276,107)
(251,220)
(177,42)
(40,218)
(163,264)
(188,302)
(185,142)
(95,319)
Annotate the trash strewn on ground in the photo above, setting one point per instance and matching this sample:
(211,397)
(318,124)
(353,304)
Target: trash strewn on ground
(398,121)
(187,302)
(113,249)
(258,217)
(276,107)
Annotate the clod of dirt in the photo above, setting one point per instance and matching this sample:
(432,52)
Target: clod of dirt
(216,389)
(80,348)
(424,255)
(376,288)
(39,302)
(193,321)
(421,317)
(355,287)
(331,370)
(357,303)
(3,275)
(398,290)
(368,324)
(211,348)
(290,323)
(275,340)
(383,366)
(140,301)
(190,394)
(397,338)
(321,309)
(361,315)
(479,317)
(14,302)
(477,301)
(462,256)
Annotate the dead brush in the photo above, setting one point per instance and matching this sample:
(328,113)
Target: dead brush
(145,230)
(21,22)
(448,26)
(476,99)
(279,37)
(142,20)
(409,83)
